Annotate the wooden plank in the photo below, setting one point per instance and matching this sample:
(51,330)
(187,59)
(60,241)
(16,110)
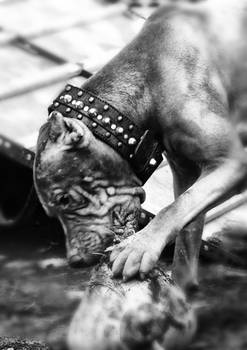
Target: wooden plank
(94,44)
(22,116)
(37,15)
(48,77)
(100,14)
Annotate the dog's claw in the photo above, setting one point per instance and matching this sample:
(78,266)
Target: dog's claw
(109,249)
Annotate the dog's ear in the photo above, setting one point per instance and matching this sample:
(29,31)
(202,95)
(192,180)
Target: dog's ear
(72,133)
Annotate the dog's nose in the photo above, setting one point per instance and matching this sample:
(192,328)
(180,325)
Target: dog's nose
(76,261)
(81,261)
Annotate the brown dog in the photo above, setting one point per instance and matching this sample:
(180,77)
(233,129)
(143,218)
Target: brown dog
(181,77)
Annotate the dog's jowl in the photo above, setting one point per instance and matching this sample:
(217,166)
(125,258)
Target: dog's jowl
(180,79)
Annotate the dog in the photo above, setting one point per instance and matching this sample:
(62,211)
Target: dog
(182,79)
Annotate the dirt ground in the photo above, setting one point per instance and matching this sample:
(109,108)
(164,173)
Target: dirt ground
(39,293)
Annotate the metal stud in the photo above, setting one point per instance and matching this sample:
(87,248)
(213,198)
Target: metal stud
(68,110)
(152,162)
(79,93)
(56,104)
(93,112)
(94,125)
(106,107)
(126,136)
(107,134)
(106,120)
(131,127)
(79,116)
(28,156)
(113,126)
(143,215)
(119,130)
(67,98)
(132,141)
(119,144)
(77,104)
(99,117)
(119,118)
(68,88)
(86,108)
(91,99)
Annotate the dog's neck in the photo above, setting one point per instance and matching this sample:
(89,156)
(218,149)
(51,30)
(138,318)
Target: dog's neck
(125,90)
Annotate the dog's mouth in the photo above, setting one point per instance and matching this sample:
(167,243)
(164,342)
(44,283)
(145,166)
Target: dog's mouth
(85,247)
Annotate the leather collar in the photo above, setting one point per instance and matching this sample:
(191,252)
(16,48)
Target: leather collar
(139,147)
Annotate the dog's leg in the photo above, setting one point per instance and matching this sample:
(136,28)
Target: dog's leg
(188,241)
(186,255)
(224,168)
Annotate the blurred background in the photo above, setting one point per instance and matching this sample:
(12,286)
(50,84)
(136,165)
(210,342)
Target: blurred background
(45,43)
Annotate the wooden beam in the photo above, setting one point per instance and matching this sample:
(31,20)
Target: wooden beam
(224,208)
(49,76)
(102,14)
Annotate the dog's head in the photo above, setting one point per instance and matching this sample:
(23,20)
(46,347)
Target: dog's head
(87,185)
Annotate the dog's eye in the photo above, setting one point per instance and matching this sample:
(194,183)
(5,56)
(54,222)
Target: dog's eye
(63,200)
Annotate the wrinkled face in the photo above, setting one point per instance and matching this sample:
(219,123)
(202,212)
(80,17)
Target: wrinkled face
(87,186)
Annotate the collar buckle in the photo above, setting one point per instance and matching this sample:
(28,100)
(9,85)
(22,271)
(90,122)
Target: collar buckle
(147,156)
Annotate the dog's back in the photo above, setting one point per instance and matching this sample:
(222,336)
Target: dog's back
(221,25)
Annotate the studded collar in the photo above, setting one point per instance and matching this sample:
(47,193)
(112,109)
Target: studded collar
(139,147)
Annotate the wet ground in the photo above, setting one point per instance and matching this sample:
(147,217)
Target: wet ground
(39,293)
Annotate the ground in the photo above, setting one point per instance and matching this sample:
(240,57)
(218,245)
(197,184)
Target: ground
(39,293)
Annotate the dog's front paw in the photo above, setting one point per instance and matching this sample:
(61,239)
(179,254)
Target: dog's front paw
(136,254)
